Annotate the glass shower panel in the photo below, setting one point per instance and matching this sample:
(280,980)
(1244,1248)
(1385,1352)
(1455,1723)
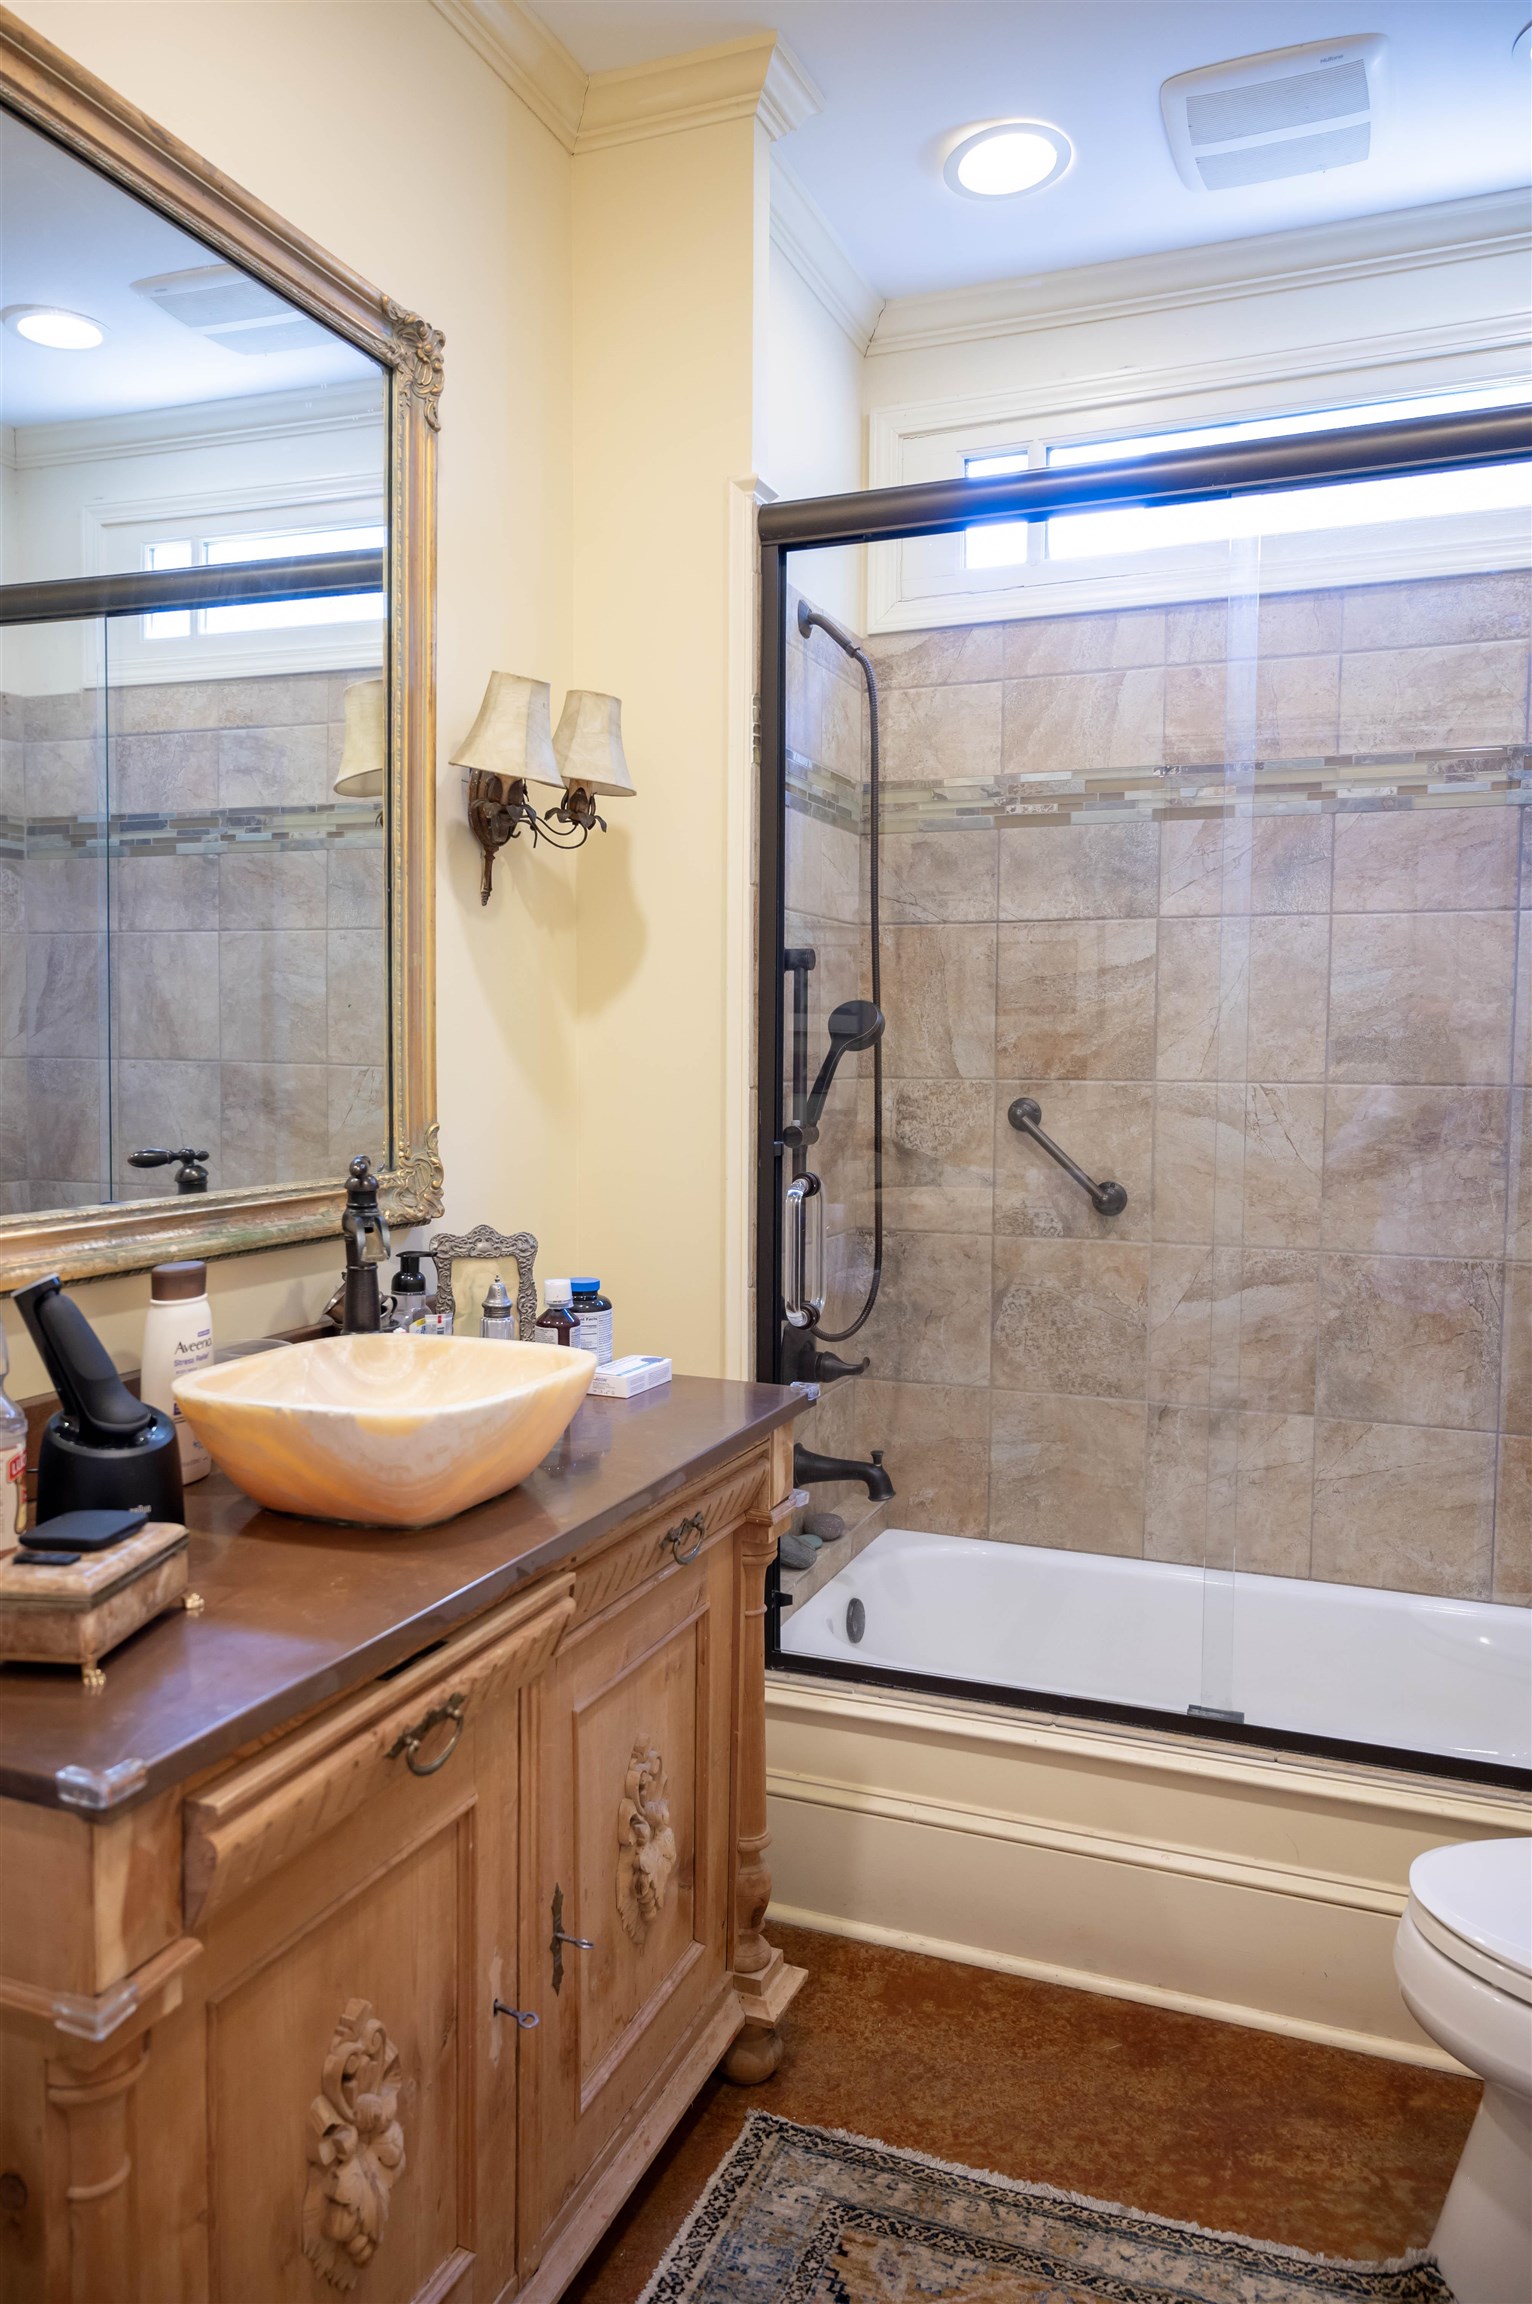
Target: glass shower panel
(54,982)
(1201,1353)
(1382,1505)
(1063,860)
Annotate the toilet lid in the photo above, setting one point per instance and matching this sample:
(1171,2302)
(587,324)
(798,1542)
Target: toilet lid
(1481,1891)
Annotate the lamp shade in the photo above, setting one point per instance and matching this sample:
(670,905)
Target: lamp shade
(510,736)
(364,753)
(588,743)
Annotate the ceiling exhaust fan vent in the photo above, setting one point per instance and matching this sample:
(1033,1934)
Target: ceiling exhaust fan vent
(1287,112)
(229,307)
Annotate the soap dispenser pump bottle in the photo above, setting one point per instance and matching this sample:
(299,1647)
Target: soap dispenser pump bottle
(410,1294)
(103,1450)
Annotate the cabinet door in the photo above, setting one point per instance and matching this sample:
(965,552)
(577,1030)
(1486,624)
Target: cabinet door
(626,1796)
(359,2091)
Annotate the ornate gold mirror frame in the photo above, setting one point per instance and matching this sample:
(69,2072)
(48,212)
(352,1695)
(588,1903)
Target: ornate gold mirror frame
(47,88)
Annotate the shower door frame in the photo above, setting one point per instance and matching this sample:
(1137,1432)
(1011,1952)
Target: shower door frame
(947,507)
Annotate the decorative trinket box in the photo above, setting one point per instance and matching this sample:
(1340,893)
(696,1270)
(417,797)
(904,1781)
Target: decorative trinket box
(79,1613)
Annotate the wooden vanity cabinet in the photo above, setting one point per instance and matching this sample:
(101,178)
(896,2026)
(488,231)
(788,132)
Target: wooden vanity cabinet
(323,2082)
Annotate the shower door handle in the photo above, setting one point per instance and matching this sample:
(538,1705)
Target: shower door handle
(803,1252)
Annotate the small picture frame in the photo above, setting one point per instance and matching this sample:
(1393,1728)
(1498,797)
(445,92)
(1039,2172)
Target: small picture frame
(466,1264)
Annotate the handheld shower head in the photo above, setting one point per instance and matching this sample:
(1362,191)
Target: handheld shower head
(854,1025)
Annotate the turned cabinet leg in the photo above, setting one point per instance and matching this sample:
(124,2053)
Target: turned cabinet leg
(754,2056)
(763,1980)
(92,2098)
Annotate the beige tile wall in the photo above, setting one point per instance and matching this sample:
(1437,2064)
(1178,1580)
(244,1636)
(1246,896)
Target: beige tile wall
(1303,1041)
(244,1004)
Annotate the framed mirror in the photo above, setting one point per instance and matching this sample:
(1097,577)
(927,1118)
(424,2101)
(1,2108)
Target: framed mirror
(217,739)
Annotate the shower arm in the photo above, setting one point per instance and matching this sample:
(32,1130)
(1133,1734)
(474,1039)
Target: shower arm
(1107,1198)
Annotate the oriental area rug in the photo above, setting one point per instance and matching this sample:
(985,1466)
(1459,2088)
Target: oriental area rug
(799,2215)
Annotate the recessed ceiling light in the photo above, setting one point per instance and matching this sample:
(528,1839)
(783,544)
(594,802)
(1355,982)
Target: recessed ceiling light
(61,331)
(1006,157)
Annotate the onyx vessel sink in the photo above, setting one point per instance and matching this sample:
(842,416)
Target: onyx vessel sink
(389,1431)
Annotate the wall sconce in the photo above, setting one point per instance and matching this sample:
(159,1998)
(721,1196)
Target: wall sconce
(588,749)
(364,750)
(507,748)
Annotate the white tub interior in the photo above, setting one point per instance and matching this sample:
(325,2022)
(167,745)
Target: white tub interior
(1399,1670)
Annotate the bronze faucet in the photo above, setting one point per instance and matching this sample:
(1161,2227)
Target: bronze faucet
(366,1237)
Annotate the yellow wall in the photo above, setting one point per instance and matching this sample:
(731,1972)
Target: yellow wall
(607,392)
(669,249)
(379,132)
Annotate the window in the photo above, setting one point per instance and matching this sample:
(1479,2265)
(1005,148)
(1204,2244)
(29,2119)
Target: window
(263,615)
(1121,534)
(245,520)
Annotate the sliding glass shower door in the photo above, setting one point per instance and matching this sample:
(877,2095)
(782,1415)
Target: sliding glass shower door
(1200,1343)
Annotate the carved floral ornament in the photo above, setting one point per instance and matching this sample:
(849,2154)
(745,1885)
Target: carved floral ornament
(355,2148)
(417,350)
(646,1845)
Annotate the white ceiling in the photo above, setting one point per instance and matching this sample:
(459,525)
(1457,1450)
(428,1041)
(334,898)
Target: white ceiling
(898,76)
(71,237)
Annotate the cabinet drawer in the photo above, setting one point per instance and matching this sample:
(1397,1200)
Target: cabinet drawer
(239,1828)
(692,1518)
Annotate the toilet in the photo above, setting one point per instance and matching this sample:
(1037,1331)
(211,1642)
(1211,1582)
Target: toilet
(1463,1956)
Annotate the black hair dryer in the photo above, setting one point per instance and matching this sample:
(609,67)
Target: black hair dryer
(103,1450)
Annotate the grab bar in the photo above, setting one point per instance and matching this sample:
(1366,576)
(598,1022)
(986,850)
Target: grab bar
(803,1252)
(1107,1198)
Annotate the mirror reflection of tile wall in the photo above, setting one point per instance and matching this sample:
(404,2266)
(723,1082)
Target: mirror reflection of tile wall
(240,1002)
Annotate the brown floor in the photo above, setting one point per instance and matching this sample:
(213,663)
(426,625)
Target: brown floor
(1346,2155)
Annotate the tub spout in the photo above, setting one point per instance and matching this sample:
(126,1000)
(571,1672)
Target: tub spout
(808,1467)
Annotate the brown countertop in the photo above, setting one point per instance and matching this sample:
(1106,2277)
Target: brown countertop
(299,1611)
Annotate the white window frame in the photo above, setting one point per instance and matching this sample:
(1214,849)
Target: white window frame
(921,582)
(116,542)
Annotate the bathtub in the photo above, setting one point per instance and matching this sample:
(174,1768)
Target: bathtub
(1339,1661)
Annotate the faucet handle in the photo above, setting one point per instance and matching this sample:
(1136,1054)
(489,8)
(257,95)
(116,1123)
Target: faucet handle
(362,1222)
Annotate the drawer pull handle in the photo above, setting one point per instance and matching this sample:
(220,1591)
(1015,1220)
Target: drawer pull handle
(525,2017)
(694,1524)
(412,1739)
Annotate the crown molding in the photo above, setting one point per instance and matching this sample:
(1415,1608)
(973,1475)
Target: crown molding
(1267,264)
(520,49)
(1485,349)
(301,414)
(804,235)
(754,78)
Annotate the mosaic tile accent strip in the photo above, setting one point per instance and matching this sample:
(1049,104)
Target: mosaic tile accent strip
(218,832)
(1500,776)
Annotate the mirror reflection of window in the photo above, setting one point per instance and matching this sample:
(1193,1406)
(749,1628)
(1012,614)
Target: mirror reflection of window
(192,920)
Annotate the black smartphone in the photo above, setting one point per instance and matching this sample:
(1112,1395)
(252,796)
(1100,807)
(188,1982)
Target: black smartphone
(85,1531)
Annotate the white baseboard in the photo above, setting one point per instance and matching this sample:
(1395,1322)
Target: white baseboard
(1116,1988)
(1246,1887)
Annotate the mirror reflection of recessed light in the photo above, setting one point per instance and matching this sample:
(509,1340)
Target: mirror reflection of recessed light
(1006,157)
(61,331)
(1522,44)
